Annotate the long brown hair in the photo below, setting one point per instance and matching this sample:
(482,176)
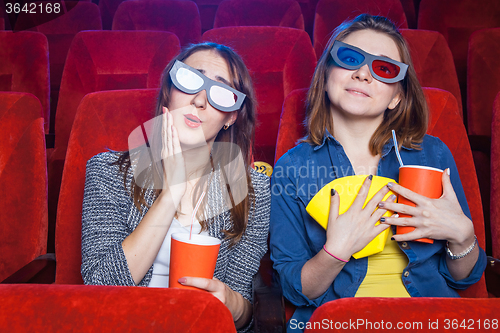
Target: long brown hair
(409,118)
(240,134)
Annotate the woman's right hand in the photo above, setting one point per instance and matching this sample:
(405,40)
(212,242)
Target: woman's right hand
(352,231)
(174,168)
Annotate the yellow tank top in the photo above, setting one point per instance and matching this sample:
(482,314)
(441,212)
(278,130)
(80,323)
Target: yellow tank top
(383,278)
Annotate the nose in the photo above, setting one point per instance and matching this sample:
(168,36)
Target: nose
(200,99)
(363,74)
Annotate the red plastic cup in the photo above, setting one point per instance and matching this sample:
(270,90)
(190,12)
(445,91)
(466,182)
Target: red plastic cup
(194,257)
(423,180)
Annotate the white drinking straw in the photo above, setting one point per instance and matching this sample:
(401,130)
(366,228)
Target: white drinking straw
(194,213)
(396,148)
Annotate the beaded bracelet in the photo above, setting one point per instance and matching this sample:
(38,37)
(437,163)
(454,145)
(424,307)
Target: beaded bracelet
(463,254)
(324,248)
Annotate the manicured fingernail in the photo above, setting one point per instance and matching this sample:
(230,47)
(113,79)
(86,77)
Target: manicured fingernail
(182,280)
(370,177)
(382,219)
(332,192)
(381,204)
(392,197)
(392,238)
(448,171)
(390,185)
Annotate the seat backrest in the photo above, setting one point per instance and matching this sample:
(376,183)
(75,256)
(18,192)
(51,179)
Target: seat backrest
(177,16)
(282,13)
(104,120)
(331,13)
(445,123)
(73,17)
(483,79)
(456,20)
(433,61)
(23,182)
(279,60)
(110,60)
(24,66)
(495,179)
(408,314)
(110,309)
(207,9)
(108,9)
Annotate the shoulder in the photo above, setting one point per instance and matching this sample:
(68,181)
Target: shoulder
(433,145)
(296,156)
(102,169)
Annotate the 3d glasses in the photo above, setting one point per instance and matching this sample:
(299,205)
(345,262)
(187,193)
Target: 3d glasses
(219,95)
(382,68)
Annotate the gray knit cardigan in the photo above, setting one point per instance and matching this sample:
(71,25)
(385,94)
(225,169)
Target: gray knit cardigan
(109,216)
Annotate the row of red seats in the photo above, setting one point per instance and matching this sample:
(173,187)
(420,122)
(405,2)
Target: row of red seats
(23,180)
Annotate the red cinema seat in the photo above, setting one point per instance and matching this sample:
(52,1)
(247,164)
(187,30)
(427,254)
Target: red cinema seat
(104,120)
(445,123)
(207,9)
(60,29)
(281,13)
(331,13)
(406,314)
(279,60)
(23,182)
(2,23)
(179,17)
(110,309)
(483,79)
(433,61)
(495,179)
(410,8)
(457,20)
(24,66)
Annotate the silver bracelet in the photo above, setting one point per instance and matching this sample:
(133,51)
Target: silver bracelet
(463,254)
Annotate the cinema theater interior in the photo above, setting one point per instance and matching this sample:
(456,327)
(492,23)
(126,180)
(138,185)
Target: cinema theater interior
(101,102)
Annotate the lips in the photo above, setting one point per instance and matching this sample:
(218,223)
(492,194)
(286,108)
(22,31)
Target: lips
(192,121)
(356,91)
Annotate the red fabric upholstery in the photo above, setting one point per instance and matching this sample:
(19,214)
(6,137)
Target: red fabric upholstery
(60,29)
(411,8)
(57,308)
(24,66)
(23,182)
(433,61)
(279,60)
(456,20)
(104,120)
(331,13)
(282,13)
(109,60)
(412,314)
(179,17)
(495,179)
(445,123)
(2,23)
(483,81)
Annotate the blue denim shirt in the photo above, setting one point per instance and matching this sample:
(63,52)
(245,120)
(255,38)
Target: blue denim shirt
(296,237)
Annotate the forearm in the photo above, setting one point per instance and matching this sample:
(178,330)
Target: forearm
(318,273)
(241,311)
(142,246)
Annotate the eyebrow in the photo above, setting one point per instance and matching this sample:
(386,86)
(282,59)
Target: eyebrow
(218,78)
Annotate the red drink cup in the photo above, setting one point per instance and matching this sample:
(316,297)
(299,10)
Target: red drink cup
(194,257)
(423,180)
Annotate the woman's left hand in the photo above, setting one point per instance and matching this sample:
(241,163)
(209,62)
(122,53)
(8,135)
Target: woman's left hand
(440,218)
(234,301)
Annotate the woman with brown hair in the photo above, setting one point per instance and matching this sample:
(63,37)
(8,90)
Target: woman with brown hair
(198,153)
(363,87)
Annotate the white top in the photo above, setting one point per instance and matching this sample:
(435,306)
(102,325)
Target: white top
(161,265)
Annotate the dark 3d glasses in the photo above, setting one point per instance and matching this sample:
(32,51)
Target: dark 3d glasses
(382,68)
(219,95)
